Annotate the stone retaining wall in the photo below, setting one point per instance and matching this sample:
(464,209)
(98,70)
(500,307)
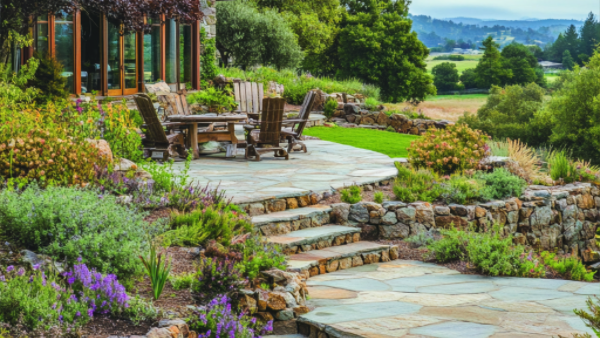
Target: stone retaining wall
(562,218)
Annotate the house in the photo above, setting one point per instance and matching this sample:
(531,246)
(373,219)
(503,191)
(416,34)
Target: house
(98,57)
(549,66)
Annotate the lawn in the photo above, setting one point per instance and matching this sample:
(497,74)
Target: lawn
(461,66)
(388,143)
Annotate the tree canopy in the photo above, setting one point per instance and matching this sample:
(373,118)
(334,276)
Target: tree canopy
(491,69)
(445,76)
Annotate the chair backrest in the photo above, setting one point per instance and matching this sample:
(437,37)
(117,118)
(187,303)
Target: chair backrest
(250,96)
(174,104)
(155,132)
(304,114)
(270,123)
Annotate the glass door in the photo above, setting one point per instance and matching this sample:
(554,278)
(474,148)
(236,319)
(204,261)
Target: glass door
(122,62)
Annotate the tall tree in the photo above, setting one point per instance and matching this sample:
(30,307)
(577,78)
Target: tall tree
(377,45)
(567,60)
(491,69)
(523,64)
(445,76)
(572,41)
(589,35)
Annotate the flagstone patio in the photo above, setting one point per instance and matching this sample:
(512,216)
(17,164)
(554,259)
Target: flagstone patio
(416,299)
(325,165)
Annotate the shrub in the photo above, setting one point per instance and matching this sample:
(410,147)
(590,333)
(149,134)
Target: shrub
(330,107)
(216,277)
(70,223)
(416,185)
(378,197)
(371,103)
(447,150)
(197,227)
(260,255)
(217,319)
(465,190)
(524,162)
(561,167)
(501,184)
(49,80)
(569,268)
(591,319)
(421,239)
(445,76)
(182,281)
(217,100)
(208,59)
(452,57)
(351,195)
(499,148)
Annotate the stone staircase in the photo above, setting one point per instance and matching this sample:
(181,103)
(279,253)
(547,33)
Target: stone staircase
(315,245)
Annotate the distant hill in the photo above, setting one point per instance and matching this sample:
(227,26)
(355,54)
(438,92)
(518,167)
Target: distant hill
(433,32)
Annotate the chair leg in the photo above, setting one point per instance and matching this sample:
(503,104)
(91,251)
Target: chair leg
(290,141)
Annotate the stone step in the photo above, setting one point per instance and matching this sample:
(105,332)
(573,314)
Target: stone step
(284,222)
(316,238)
(338,258)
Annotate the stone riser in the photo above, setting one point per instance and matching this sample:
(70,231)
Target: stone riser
(322,244)
(285,227)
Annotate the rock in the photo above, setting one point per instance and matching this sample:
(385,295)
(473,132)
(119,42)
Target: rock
(389,218)
(586,202)
(292,203)
(345,263)
(480,212)
(359,213)
(394,231)
(125,165)
(441,210)
(263,316)
(275,205)
(276,302)
(459,210)
(156,332)
(351,109)
(541,217)
(417,228)
(284,315)
(255,209)
(333,265)
(447,222)
(303,201)
(406,215)
(519,238)
(300,310)
(340,212)
(424,213)
(393,206)
(357,261)
(287,327)
(394,252)
(103,148)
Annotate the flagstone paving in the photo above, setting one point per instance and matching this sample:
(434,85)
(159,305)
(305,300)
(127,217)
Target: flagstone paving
(415,299)
(325,165)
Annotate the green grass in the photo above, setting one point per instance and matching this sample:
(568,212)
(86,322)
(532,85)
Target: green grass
(457,97)
(461,66)
(388,143)
(551,77)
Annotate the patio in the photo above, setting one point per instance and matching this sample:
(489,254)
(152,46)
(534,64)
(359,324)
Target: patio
(324,166)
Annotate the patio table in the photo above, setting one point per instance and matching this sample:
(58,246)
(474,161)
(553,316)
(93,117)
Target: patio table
(221,136)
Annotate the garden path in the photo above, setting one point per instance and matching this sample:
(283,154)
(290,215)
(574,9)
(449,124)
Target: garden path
(415,299)
(325,165)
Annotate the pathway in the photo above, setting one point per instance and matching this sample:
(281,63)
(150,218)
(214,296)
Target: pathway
(325,165)
(415,299)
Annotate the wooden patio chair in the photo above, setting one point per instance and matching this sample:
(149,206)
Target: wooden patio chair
(160,144)
(266,135)
(295,127)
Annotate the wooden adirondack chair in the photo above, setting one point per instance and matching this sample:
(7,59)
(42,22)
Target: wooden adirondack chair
(157,142)
(250,96)
(265,136)
(295,127)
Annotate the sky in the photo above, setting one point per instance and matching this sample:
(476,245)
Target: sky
(506,9)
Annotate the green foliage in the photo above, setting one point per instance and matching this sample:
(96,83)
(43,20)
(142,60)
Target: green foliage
(220,101)
(561,167)
(218,223)
(501,184)
(13,86)
(523,64)
(499,148)
(569,268)
(164,176)
(216,277)
(465,190)
(420,239)
(591,319)
(457,147)
(260,255)
(69,223)
(491,69)
(208,59)
(491,253)
(297,85)
(157,270)
(567,60)
(575,111)
(330,107)
(182,281)
(513,112)
(452,57)
(412,185)
(378,197)
(49,80)
(252,37)
(371,103)
(376,44)
(469,78)
(139,310)
(351,195)
(445,76)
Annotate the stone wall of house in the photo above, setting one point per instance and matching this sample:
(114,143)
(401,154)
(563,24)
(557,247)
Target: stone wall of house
(209,22)
(562,218)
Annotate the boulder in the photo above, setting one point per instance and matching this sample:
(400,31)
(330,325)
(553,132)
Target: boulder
(103,148)
(359,213)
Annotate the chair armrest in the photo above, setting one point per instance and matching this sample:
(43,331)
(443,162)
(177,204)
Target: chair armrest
(250,127)
(294,121)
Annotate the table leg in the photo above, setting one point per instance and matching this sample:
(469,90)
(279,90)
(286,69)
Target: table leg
(194,139)
(232,148)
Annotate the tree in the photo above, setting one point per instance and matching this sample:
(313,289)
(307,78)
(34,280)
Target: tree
(251,37)
(491,69)
(589,37)
(376,44)
(558,48)
(49,80)
(575,111)
(523,65)
(445,76)
(567,60)
(572,41)
(469,78)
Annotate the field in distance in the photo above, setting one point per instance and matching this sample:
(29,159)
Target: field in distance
(445,107)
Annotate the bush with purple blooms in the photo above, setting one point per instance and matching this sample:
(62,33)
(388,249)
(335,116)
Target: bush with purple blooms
(216,277)
(218,320)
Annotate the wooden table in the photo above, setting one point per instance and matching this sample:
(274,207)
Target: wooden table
(219,136)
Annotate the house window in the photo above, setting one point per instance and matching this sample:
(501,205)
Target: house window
(185,55)
(63,40)
(171,51)
(41,44)
(152,53)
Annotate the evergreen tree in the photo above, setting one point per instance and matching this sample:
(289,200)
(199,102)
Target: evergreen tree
(491,69)
(49,80)
(523,64)
(589,36)
(572,41)
(567,60)
(556,51)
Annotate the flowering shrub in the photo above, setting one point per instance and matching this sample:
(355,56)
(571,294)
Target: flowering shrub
(67,223)
(218,320)
(447,150)
(216,277)
(260,255)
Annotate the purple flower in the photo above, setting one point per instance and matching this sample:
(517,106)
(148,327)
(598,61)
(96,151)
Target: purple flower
(54,306)
(78,314)
(21,272)
(2,278)
(90,312)
(30,278)
(71,280)
(10,268)
(36,266)
(79,259)
(60,318)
